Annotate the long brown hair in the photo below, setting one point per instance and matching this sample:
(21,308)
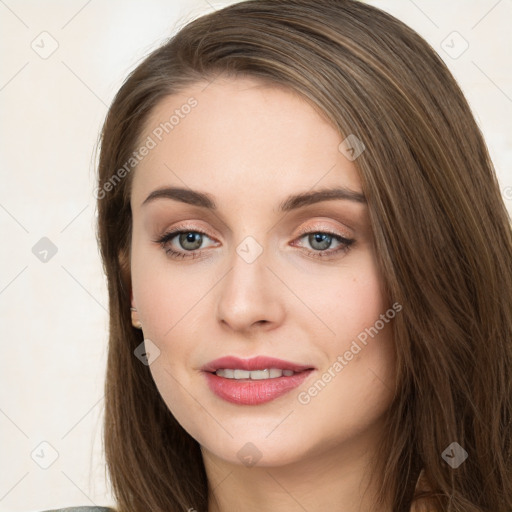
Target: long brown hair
(442,237)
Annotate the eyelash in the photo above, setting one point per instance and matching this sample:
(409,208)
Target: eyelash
(346,243)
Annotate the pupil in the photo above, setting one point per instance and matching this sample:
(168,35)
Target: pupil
(323,239)
(190,238)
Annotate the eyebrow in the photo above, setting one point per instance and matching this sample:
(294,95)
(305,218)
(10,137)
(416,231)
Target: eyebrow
(292,202)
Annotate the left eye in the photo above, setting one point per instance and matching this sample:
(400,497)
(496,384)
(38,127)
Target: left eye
(320,241)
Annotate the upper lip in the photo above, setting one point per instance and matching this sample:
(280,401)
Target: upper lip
(253,363)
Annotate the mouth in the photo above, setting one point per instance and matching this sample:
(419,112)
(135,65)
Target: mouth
(254,381)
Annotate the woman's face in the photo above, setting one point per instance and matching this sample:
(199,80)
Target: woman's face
(262,269)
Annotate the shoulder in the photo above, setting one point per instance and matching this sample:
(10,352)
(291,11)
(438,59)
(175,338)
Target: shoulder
(82,509)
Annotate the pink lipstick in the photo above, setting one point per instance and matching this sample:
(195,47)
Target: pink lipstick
(253,381)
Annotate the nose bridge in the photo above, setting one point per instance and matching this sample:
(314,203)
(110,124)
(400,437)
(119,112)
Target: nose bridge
(248,294)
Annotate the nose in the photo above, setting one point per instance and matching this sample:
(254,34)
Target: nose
(250,296)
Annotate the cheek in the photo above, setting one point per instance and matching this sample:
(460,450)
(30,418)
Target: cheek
(366,345)
(166,294)
(169,300)
(347,300)
(355,385)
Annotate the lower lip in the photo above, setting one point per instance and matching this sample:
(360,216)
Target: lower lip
(254,392)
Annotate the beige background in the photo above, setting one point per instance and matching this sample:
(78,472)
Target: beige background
(54,320)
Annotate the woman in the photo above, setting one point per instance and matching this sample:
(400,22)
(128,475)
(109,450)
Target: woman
(308,263)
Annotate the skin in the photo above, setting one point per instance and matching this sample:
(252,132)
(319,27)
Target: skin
(250,145)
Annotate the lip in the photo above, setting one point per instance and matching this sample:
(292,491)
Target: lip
(254,363)
(254,392)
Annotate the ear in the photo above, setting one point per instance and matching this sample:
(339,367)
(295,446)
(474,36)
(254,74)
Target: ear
(124,267)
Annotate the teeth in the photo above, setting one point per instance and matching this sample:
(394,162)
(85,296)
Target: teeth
(254,375)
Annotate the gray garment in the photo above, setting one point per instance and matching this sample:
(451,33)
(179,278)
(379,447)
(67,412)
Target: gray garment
(82,509)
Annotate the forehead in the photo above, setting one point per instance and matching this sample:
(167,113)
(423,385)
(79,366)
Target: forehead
(241,135)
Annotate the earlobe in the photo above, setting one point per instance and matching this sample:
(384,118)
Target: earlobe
(135,316)
(135,320)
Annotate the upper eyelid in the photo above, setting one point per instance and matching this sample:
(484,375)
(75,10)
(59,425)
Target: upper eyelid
(317,225)
(319,228)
